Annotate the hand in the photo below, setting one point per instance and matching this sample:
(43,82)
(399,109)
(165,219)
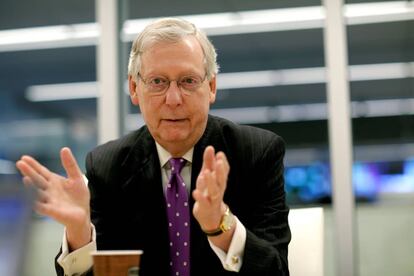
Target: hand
(64,199)
(210,187)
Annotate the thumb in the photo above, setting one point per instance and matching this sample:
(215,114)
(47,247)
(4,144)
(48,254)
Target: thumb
(69,164)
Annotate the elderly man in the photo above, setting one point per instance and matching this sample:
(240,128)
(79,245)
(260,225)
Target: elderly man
(198,194)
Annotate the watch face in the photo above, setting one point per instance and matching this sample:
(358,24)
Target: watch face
(227,222)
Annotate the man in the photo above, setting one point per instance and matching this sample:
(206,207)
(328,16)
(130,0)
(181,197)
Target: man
(167,188)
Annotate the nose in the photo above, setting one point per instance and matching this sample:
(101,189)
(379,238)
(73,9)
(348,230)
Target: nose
(173,96)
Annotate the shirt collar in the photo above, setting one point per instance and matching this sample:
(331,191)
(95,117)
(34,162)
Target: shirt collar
(165,156)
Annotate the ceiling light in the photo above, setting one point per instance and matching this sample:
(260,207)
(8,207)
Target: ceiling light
(214,24)
(367,13)
(300,76)
(244,22)
(7,167)
(298,112)
(238,80)
(381,71)
(49,37)
(62,91)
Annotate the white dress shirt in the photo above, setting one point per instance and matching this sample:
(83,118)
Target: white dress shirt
(80,260)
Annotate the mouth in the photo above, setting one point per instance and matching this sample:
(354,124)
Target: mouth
(174,120)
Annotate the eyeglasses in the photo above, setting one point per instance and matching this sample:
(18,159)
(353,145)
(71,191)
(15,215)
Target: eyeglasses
(159,84)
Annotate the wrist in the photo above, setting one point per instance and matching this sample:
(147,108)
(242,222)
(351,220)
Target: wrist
(79,236)
(226,224)
(214,220)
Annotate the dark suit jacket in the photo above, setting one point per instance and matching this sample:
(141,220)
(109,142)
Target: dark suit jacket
(129,212)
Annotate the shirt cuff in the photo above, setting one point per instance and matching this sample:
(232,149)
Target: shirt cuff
(232,261)
(79,261)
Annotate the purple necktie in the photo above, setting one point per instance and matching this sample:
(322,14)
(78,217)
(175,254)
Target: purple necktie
(178,213)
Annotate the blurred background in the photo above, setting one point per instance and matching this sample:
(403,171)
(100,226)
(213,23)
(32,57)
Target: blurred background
(271,77)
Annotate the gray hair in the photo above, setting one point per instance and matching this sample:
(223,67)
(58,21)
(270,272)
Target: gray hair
(171,30)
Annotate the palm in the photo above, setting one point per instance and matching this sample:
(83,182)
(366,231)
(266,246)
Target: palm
(68,201)
(64,199)
(210,187)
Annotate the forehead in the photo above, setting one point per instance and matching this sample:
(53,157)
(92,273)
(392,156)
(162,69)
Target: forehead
(169,57)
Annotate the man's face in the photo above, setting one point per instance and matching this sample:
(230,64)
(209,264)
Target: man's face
(176,118)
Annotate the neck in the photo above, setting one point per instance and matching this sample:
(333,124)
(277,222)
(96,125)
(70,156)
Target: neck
(177,150)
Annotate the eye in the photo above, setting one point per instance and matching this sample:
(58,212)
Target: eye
(157,81)
(190,82)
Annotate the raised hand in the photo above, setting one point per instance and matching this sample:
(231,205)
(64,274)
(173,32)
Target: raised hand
(66,200)
(210,187)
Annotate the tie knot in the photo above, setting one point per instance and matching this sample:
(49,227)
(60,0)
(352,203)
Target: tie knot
(177,164)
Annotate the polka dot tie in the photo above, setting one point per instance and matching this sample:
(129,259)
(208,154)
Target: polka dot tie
(178,213)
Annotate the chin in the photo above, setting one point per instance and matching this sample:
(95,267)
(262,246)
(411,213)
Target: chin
(174,137)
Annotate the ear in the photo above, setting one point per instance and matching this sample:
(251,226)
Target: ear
(213,89)
(132,84)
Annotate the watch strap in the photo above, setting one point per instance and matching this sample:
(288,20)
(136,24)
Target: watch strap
(214,233)
(222,228)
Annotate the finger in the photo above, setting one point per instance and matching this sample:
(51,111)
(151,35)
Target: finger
(200,183)
(42,196)
(200,198)
(49,210)
(30,186)
(222,170)
(208,159)
(222,156)
(27,181)
(205,184)
(39,168)
(42,208)
(29,172)
(213,191)
(70,164)
(39,207)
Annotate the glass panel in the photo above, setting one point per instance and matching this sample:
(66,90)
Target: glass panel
(39,119)
(382,93)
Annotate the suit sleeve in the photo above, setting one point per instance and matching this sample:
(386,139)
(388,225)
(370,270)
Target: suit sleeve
(268,233)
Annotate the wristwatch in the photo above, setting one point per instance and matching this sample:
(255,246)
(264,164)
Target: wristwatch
(226,223)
